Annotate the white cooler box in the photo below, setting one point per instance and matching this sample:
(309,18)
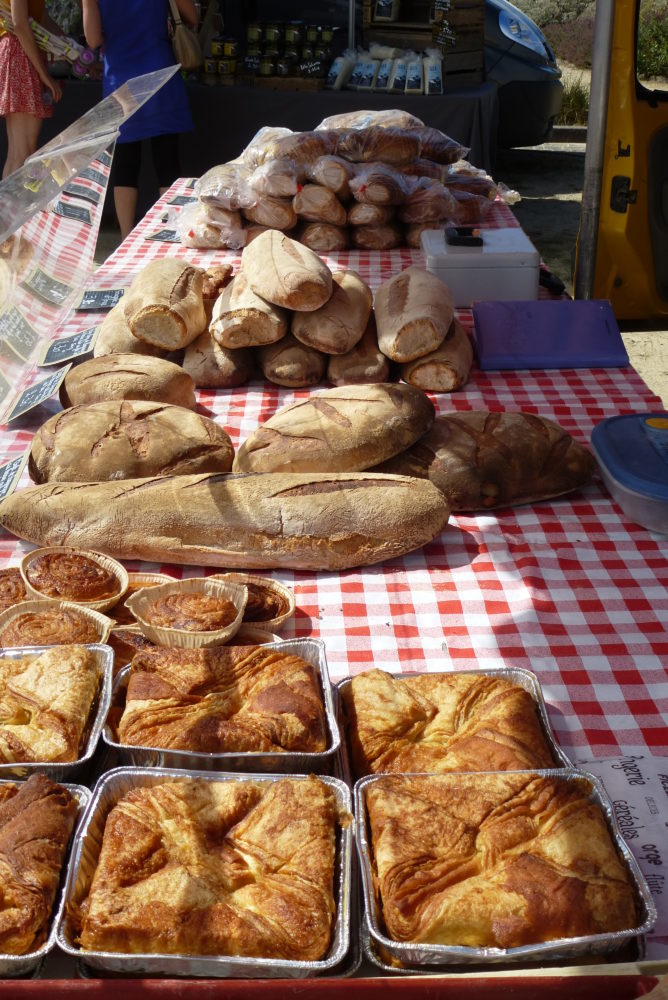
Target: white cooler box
(505,268)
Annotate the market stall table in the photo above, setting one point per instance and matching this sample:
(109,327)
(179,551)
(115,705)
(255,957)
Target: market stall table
(568,588)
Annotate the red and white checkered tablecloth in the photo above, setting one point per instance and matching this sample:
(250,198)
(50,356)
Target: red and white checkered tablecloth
(568,588)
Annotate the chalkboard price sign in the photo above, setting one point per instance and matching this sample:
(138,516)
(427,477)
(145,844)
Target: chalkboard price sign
(10,473)
(182,199)
(94,175)
(47,288)
(37,393)
(86,193)
(165,236)
(77,212)
(17,331)
(66,348)
(100,299)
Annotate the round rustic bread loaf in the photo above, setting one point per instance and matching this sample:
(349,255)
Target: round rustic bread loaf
(125,439)
(127,376)
(339,430)
(216,367)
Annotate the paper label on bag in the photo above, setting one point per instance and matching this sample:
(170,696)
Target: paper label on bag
(637,784)
(66,348)
(10,473)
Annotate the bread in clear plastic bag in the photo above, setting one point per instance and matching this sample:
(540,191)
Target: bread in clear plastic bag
(425,168)
(436,145)
(377,143)
(316,203)
(483,186)
(470,208)
(380,184)
(277,178)
(383,237)
(275,213)
(428,201)
(226,186)
(366,214)
(323,237)
(255,152)
(210,228)
(302,147)
(363,119)
(333,172)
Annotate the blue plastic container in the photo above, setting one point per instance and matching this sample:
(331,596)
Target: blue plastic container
(632,454)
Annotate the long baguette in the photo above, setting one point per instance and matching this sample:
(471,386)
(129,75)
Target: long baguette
(262,521)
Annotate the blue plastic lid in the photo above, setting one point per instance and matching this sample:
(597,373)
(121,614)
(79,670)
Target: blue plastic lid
(634,450)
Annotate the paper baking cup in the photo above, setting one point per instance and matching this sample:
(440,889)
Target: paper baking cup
(111,565)
(101,622)
(135,582)
(266,582)
(248,635)
(162,635)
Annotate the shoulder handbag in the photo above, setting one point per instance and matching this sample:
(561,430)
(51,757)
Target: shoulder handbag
(185,44)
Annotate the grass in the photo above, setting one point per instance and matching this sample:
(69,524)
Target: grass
(575,105)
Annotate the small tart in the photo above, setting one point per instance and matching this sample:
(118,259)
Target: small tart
(269,603)
(61,573)
(189,613)
(12,587)
(120,613)
(51,623)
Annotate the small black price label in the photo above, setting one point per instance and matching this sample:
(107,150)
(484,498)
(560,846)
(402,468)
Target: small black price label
(100,299)
(165,236)
(96,176)
(85,193)
(47,288)
(104,159)
(10,473)
(5,390)
(66,348)
(77,212)
(191,183)
(18,333)
(37,393)
(182,199)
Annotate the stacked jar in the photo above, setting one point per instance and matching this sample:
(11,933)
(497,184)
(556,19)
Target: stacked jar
(287,49)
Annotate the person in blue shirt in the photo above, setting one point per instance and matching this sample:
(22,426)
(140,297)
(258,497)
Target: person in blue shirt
(136,41)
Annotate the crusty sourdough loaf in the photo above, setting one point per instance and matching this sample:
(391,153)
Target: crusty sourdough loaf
(214,367)
(362,365)
(125,439)
(319,521)
(338,430)
(127,376)
(337,326)
(414,310)
(286,273)
(241,318)
(164,305)
(445,369)
(290,363)
(479,459)
(115,336)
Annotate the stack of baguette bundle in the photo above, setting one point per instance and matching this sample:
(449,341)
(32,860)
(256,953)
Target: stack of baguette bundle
(287,314)
(366,180)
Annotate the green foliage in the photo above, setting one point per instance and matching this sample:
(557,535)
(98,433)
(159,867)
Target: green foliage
(653,42)
(554,11)
(575,105)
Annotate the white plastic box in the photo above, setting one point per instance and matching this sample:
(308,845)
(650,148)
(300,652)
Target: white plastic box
(503,269)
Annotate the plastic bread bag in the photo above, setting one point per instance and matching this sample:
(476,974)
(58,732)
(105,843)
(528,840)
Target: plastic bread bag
(380,184)
(386,236)
(210,229)
(302,147)
(226,186)
(275,213)
(429,201)
(277,178)
(341,70)
(323,237)
(425,168)
(471,208)
(375,144)
(483,186)
(255,152)
(433,72)
(436,145)
(510,196)
(315,203)
(362,119)
(333,172)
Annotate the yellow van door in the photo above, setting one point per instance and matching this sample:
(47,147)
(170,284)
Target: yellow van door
(631,243)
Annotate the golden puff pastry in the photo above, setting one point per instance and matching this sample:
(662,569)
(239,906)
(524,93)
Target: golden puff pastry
(46,627)
(494,860)
(222,699)
(12,588)
(45,703)
(216,868)
(36,821)
(442,722)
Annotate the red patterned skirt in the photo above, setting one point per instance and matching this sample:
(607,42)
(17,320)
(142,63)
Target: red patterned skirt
(20,86)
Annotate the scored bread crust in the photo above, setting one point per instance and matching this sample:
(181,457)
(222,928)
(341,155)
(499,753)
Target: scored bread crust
(285,272)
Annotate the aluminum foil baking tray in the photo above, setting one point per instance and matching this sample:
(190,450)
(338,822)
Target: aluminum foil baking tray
(516,675)
(312,650)
(108,791)
(28,965)
(412,953)
(76,770)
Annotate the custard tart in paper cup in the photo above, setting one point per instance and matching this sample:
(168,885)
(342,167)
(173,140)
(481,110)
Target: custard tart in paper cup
(270,604)
(190,613)
(52,623)
(79,576)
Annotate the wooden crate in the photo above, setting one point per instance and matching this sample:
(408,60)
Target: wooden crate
(458,32)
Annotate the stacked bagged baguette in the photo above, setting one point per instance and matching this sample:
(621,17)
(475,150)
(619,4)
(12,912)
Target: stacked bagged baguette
(365,180)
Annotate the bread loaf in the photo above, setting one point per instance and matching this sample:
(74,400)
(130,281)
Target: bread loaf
(366,214)
(301,521)
(338,430)
(445,369)
(362,119)
(364,364)
(214,367)
(429,201)
(277,179)
(383,237)
(240,318)
(323,238)
(386,145)
(481,460)
(291,364)
(164,305)
(125,440)
(332,172)
(127,376)
(216,278)
(275,213)
(436,145)
(337,326)
(115,337)
(379,184)
(316,203)
(286,273)
(302,147)
(414,311)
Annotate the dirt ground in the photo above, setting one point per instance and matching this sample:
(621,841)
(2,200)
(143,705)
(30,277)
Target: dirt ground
(549,179)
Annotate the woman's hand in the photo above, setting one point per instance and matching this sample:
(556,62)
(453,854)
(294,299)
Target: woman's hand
(53,86)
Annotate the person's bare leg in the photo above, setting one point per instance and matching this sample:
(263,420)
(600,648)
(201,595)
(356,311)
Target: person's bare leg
(125,202)
(22,136)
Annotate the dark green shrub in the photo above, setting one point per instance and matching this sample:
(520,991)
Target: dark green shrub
(572,43)
(653,43)
(575,105)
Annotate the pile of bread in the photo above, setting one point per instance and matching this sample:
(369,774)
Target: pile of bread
(288,314)
(360,180)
